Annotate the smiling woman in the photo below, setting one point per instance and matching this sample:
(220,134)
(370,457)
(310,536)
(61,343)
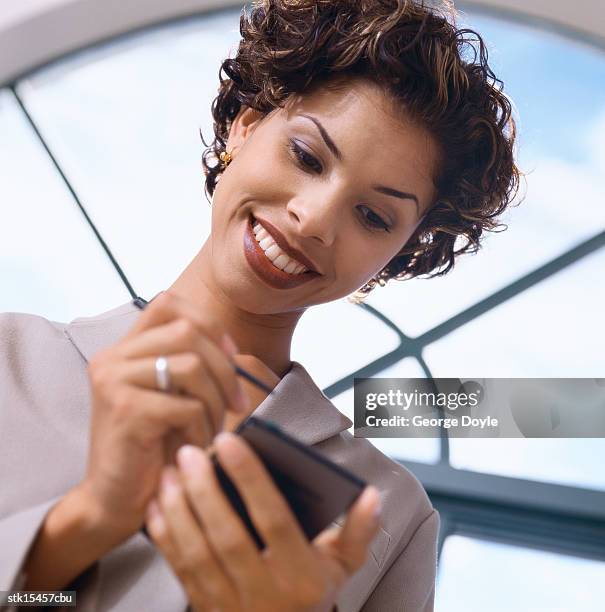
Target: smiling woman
(354,143)
(392,84)
(355,181)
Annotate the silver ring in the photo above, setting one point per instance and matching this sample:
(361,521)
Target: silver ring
(162,375)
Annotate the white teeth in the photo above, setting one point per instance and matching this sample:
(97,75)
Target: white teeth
(259,229)
(290,267)
(274,253)
(265,243)
(281,261)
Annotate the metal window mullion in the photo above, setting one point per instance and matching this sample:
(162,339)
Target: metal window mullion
(72,191)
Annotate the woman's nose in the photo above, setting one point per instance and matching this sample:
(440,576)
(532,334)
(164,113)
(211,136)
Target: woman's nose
(315,218)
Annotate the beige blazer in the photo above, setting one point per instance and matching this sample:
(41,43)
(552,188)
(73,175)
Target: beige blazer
(44,421)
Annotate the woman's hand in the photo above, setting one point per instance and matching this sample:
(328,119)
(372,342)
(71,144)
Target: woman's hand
(253,365)
(133,422)
(217,561)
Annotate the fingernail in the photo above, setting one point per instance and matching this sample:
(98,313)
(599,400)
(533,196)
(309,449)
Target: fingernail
(155,518)
(376,514)
(229,345)
(229,447)
(223,437)
(153,510)
(186,457)
(170,484)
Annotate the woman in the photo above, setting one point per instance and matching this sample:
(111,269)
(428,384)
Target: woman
(356,145)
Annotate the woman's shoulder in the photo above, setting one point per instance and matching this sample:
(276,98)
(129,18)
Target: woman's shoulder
(43,362)
(314,418)
(26,341)
(18,327)
(43,409)
(405,501)
(44,400)
(29,339)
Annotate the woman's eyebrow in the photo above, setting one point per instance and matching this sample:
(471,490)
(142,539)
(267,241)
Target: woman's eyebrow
(398,194)
(324,134)
(336,152)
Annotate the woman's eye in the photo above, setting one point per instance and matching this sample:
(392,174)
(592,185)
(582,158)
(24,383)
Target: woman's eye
(374,221)
(305,159)
(308,161)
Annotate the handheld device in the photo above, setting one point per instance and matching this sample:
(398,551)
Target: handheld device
(316,489)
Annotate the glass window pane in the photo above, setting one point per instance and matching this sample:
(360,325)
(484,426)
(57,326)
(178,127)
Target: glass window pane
(124,121)
(477,575)
(561,130)
(551,330)
(335,339)
(575,462)
(425,450)
(51,263)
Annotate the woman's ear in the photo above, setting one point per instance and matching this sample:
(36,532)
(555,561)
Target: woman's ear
(242,127)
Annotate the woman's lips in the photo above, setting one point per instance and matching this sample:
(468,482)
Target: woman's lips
(265,270)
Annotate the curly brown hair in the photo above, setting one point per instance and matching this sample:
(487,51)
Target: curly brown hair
(416,54)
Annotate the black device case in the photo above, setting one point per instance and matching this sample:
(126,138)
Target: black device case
(316,489)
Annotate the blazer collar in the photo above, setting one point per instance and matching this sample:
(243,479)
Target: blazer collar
(296,404)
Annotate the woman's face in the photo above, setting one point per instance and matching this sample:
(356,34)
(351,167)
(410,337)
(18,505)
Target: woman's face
(339,175)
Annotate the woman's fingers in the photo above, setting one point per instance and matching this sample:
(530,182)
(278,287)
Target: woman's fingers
(268,509)
(168,306)
(349,544)
(129,420)
(208,363)
(226,533)
(157,413)
(188,551)
(198,433)
(188,379)
(157,527)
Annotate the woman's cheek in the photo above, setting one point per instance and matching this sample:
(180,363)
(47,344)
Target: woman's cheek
(352,277)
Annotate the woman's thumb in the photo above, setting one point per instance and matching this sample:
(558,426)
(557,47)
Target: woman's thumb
(360,527)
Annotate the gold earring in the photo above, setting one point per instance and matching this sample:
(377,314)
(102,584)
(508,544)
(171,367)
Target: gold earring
(226,158)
